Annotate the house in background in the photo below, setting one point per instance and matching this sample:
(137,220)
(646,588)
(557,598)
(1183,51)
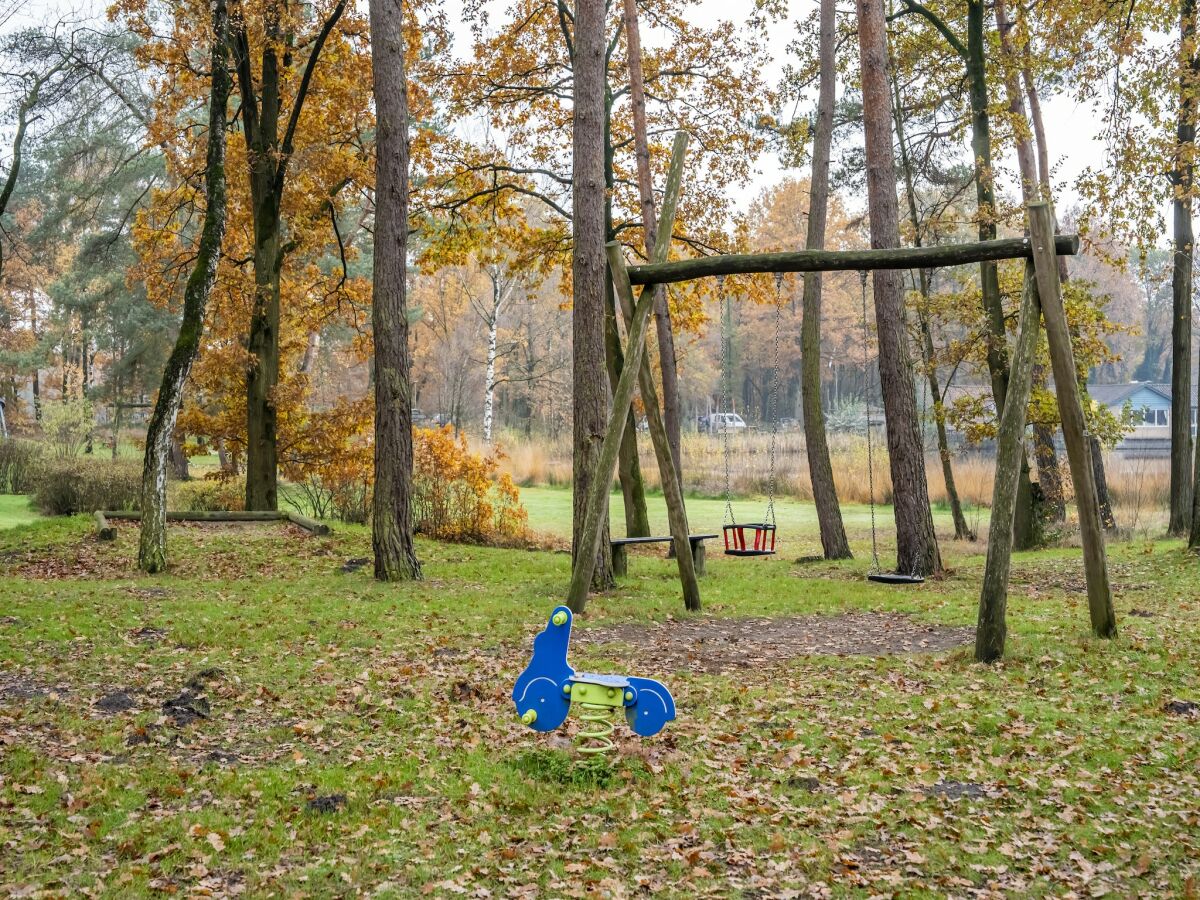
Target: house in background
(1151,406)
(1149,402)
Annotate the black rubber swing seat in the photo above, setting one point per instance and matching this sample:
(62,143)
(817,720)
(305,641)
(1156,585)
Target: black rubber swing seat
(895,578)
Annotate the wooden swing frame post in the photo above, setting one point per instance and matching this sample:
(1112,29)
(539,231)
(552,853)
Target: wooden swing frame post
(637,370)
(1074,426)
(1042,293)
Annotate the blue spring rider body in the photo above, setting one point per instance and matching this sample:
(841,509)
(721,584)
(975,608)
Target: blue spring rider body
(549,687)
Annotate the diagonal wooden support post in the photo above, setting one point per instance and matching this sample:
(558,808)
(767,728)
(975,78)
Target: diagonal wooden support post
(1070,410)
(667,473)
(585,554)
(991,630)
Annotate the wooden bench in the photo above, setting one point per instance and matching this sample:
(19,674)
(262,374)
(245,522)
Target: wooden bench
(620,556)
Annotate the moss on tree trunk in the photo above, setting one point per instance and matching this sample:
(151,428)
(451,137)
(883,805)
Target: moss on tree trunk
(152,544)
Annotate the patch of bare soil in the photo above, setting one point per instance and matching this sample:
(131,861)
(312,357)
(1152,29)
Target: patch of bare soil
(720,645)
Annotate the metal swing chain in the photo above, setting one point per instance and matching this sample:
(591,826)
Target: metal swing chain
(726,392)
(773,402)
(867,394)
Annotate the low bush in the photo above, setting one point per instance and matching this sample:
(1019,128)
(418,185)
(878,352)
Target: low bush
(63,487)
(459,495)
(67,425)
(18,463)
(210,494)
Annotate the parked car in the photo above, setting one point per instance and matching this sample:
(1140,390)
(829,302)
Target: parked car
(715,423)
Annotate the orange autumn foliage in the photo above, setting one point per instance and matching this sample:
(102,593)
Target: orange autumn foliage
(459,495)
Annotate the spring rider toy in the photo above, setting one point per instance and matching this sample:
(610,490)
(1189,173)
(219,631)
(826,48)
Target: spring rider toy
(548,688)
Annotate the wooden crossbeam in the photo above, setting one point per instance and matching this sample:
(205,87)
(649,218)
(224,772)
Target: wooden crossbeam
(844,260)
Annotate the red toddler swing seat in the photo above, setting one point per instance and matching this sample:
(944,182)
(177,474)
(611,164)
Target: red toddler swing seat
(750,539)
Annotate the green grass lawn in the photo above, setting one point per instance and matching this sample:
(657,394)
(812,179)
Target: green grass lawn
(550,512)
(345,737)
(15,510)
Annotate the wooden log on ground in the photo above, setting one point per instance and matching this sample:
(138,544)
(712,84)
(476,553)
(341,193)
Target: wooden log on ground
(237,515)
(312,526)
(105,530)
(992,629)
(1070,407)
(844,260)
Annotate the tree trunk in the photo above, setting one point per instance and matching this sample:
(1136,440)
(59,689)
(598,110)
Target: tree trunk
(638,368)
(489,376)
(35,385)
(629,465)
(1050,481)
(1181,277)
(961,530)
(985,199)
(916,543)
(262,460)
(118,414)
(1107,520)
(391,509)
(991,629)
(179,460)
(152,544)
(589,381)
(668,364)
(1027,525)
(829,514)
(312,349)
(269,149)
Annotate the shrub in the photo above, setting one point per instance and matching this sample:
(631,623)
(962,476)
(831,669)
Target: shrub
(459,495)
(18,463)
(67,425)
(329,461)
(63,487)
(220,493)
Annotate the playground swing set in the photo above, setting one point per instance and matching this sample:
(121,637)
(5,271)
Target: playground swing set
(547,691)
(758,538)
(748,538)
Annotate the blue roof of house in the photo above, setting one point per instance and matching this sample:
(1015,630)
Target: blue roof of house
(1138,393)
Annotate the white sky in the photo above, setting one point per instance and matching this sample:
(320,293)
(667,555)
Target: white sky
(1073,132)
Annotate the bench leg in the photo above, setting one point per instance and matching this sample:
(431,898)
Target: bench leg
(620,560)
(698,558)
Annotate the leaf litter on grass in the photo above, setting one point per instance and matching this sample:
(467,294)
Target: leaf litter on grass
(814,770)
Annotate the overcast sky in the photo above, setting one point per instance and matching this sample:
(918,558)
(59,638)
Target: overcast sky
(1072,131)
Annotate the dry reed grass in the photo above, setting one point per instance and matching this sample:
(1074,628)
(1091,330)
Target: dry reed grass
(1140,488)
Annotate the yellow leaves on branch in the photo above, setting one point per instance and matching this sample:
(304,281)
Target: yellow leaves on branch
(328,175)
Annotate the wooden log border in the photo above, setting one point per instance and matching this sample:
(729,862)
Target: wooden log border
(312,526)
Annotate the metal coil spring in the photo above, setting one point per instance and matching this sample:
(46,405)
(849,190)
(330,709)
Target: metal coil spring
(598,739)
